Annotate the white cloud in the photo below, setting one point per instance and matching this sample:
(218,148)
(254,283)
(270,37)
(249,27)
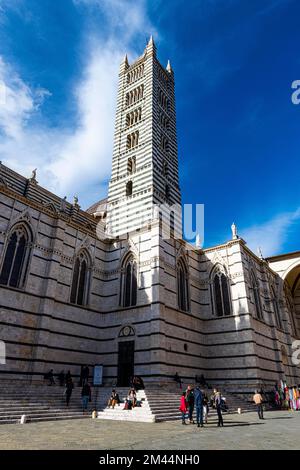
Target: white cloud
(72,159)
(271,235)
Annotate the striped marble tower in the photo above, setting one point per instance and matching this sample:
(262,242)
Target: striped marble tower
(145,163)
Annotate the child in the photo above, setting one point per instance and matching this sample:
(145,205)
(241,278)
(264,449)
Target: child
(183,407)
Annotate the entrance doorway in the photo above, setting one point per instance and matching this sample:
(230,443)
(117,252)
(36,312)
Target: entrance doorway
(125,363)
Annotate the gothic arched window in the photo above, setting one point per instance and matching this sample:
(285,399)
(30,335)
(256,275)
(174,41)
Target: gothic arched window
(129,188)
(182,286)
(291,308)
(129,282)
(276,308)
(256,296)
(221,295)
(16,258)
(80,282)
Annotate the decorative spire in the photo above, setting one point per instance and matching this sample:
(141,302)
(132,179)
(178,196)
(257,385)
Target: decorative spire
(151,47)
(198,241)
(151,41)
(169,68)
(124,64)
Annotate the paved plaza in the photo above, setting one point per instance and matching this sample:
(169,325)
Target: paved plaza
(280,430)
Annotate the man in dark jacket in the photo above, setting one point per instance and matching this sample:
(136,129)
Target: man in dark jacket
(199,406)
(189,396)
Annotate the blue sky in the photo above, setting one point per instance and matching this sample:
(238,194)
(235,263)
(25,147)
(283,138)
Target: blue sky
(234,63)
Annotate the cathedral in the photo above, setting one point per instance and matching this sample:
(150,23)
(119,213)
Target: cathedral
(105,287)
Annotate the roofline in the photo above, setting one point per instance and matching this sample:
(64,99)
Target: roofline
(292,254)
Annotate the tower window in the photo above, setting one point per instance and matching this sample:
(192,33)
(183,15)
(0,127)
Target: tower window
(79,290)
(163,100)
(164,143)
(129,188)
(16,259)
(135,74)
(164,120)
(134,117)
(132,140)
(167,192)
(131,165)
(165,169)
(134,95)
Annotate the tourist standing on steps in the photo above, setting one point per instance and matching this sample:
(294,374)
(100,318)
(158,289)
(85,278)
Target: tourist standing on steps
(199,406)
(61,378)
(190,400)
(257,398)
(86,396)
(218,405)
(205,408)
(85,374)
(183,408)
(178,380)
(69,388)
(49,376)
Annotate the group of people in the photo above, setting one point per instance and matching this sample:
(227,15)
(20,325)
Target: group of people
(195,398)
(286,398)
(130,401)
(66,380)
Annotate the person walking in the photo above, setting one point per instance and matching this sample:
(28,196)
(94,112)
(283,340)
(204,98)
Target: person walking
(183,407)
(85,374)
(61,378)
(205,407)
(258,400)
(69,389)
(86,396)
(218,405)
(199,406)
(178,380)
(190,400)
(50,376)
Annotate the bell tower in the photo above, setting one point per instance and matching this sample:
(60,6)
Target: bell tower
(145,161)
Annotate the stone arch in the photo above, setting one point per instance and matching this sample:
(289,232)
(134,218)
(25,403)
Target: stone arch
(291,290)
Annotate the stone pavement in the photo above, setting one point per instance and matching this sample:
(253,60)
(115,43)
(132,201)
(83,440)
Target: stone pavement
(280,430)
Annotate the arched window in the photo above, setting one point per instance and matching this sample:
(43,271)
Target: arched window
(167,192)
(129,282)
(80,282)
(256,296)
(291,308)
(221,295)
(16,258)
(276,308)
(131,165)
(182,286)
(129,188)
